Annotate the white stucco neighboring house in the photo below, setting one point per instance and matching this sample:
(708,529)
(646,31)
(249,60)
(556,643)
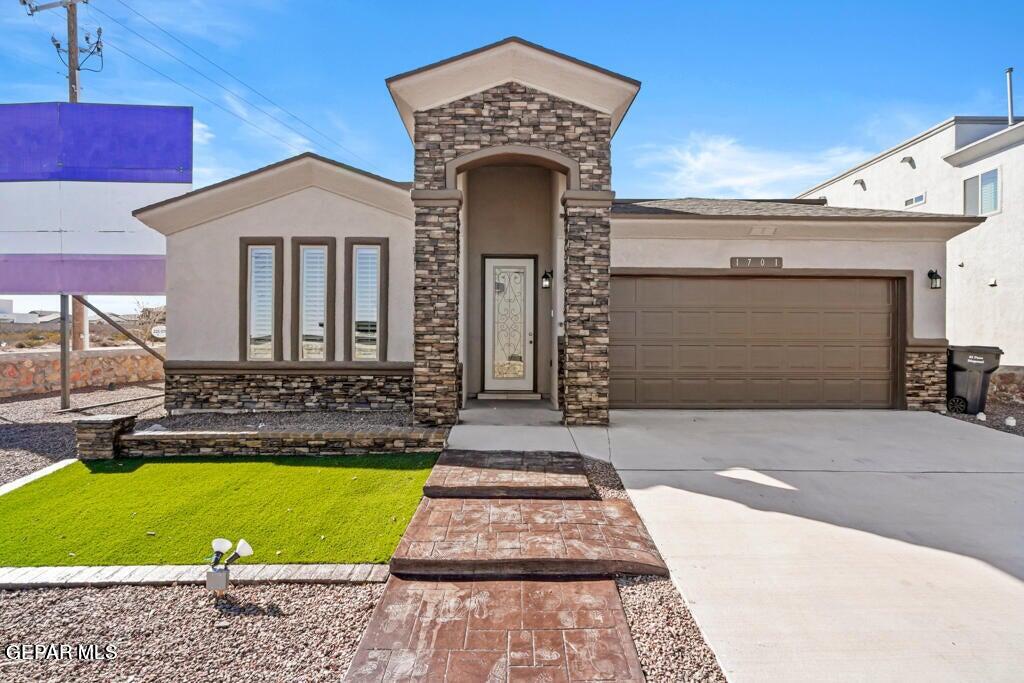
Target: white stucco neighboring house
(972,165)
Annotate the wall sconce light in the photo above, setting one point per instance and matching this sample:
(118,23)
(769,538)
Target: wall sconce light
(545,280)
(935,280)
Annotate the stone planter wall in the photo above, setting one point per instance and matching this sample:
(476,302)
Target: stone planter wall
(249,444)
(24,373)
(246,392)
(926,379)
(98,437)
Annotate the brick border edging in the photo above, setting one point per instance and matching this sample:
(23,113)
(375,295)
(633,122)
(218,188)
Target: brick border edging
(22,578)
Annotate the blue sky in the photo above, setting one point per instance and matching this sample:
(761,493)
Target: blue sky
(738,98)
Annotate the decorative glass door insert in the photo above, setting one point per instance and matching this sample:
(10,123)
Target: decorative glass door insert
(508,324)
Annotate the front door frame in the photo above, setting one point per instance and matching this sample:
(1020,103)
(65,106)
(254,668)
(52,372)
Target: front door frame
(483,320)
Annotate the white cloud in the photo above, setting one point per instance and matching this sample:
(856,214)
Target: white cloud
(272,131)
(201,133)
(708,165)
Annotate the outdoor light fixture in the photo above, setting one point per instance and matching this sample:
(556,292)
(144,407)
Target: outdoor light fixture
(935,280)
(545,280)
(217,578)
(220,546)
(243,549)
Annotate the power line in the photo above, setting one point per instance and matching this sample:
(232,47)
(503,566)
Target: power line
(238,116)
(216,83)
(237,79)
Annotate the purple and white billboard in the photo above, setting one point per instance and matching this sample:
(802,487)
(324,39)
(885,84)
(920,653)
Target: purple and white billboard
(70,177)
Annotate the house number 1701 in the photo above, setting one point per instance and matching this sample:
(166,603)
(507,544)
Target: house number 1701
(755,262)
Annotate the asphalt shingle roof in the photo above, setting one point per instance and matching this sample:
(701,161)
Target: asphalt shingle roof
(757,208)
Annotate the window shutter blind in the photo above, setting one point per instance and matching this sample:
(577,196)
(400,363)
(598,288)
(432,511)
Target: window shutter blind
(313,300)
(261,303)
(990,191)
(365,299)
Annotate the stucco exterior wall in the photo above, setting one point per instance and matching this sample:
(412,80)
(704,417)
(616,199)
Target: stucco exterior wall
(509,212)
(203,277)
(977,313)
(631,249)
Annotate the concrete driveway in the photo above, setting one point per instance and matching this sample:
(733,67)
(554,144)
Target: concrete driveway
(837,545)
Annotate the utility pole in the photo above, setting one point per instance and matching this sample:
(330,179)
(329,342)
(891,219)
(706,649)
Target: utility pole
(72,313)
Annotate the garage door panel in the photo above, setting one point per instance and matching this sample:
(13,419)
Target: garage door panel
(803,357)
(730,357)
(753,342)
(622,324)
(656,357)
(655,324)
(764,357)
(692,324)
(729,323)
(803,324)
(622,356)
(693,357)
(878,325)
(840,358)
(623,292)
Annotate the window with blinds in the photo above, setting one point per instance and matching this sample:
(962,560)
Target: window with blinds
(261,303)
(365,302)
(981,193)
(313,303)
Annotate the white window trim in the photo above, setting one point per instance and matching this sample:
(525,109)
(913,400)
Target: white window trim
(921,203)
(999,190)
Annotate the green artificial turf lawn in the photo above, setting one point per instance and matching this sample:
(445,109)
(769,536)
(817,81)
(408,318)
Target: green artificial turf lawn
(292,510)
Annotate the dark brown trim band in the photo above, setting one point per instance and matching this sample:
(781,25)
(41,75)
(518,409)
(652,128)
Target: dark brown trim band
(382,301)
(331,286)
(216,367)
(243,293)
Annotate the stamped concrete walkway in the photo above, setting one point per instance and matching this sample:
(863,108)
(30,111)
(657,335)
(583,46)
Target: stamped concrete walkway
(507,474)
(470,629)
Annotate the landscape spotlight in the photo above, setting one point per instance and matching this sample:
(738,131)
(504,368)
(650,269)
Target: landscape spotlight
(243,549)
(220,546)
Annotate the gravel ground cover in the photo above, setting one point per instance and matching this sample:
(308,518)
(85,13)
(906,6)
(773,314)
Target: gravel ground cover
(33,436)
(314,421)
(668,640)
(996,413)
(257,633)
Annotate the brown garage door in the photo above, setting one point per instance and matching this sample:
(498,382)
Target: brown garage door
(725,342)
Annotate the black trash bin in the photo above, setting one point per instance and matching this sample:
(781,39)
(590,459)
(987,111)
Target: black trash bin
(967,374)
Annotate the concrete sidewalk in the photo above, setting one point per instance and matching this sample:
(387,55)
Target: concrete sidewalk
(837,546)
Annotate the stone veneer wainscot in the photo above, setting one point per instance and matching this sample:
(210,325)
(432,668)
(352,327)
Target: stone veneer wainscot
(926,379)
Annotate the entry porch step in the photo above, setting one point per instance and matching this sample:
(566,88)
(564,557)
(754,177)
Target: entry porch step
(508,396)
(500,631)
(514,538)
(501,474)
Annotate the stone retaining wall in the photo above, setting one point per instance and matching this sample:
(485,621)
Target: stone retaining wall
(244,392)
(98,437)
(174,444)
(24,373)
(926,379)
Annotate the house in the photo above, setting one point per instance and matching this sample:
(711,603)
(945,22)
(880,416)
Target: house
(973,165)
(508,269)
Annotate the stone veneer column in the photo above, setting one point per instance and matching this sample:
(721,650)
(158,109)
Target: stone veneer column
(435,385)
(587,290)
(926,379)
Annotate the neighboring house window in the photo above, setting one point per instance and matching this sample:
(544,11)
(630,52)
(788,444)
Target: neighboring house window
(260,298)
(916,200)
(313,286)
(981,194)
(366,266)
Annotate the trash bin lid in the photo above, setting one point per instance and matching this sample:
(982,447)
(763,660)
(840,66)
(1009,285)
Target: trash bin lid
(977,349)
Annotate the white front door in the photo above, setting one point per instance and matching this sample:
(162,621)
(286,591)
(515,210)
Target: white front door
(508,324)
